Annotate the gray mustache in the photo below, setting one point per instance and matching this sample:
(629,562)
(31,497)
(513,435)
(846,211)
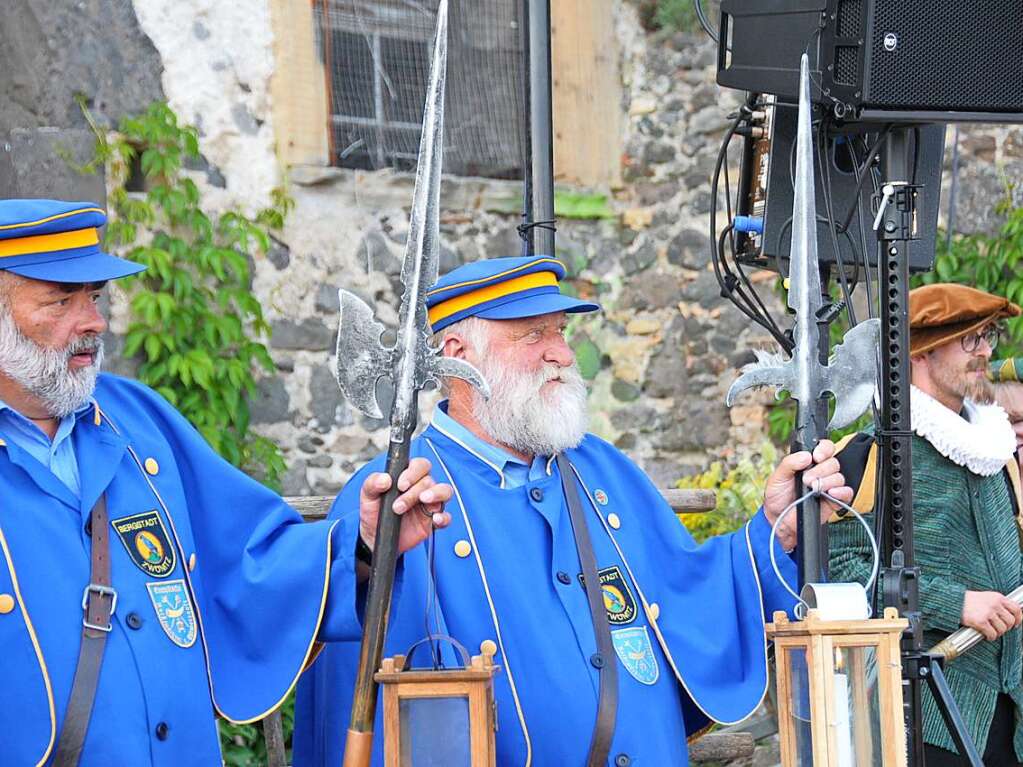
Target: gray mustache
(86,345)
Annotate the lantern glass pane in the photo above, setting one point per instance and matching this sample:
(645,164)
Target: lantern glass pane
(434,732)
(799,705)
(857,718)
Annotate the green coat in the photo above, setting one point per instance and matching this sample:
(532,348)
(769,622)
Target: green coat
(968,538)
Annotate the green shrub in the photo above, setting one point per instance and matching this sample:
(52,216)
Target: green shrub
(675,15)
(740,491)
(243,745)
(194,321)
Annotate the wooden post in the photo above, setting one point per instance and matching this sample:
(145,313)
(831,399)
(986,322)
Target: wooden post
(587,86)
(273,734)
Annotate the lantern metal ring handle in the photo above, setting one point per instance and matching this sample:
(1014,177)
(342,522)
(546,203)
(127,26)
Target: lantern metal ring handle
(431,638)
(803,606)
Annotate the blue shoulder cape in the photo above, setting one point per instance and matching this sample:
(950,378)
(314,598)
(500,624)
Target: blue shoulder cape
(702,606)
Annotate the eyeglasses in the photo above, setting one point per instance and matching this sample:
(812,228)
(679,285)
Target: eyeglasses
(971,342)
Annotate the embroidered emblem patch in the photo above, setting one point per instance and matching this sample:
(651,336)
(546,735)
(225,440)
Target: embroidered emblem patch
(600,497)
(618,600)
(147,542)
(174,609)
(636,653)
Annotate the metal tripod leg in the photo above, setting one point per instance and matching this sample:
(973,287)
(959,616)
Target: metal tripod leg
(950,713)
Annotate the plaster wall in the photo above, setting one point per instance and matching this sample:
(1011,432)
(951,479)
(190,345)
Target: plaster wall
(663,351)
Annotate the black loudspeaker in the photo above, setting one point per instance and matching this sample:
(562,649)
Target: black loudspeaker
(765,185)
(883,60)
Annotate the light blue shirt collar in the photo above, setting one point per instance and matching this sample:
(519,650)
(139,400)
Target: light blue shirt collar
(512,471)
(58,454)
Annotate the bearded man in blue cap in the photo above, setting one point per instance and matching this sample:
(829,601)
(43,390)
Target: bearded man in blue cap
(146,586)
(671,641)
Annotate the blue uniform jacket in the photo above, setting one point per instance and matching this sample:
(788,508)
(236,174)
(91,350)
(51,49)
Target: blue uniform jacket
(687,621)
(221,589)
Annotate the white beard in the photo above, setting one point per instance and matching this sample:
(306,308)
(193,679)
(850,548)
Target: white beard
(527,420)
(44,372)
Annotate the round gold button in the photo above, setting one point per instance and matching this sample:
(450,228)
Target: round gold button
(614,521)
(6,603)
(488,647)
(654,611)
(191,562)
(463,549)
(152,467)
(2,443)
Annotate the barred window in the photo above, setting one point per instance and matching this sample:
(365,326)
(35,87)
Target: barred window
(377,58)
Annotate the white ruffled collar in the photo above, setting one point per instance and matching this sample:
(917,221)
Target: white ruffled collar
(983,441)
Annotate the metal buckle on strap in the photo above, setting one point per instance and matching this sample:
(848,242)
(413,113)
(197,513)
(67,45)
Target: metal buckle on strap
(103,591)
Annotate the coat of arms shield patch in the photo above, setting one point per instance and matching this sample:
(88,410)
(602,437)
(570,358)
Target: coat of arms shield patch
(636,653)
(147,543)
(174,609)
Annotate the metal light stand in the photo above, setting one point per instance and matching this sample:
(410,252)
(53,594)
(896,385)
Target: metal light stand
(900,577)
(537,228)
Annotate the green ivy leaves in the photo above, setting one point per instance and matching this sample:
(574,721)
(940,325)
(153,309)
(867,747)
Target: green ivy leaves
(194,322)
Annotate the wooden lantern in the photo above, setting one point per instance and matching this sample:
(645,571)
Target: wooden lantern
(439,717)
(839,691)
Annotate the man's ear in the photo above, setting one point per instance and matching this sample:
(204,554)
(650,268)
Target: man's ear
(453,346)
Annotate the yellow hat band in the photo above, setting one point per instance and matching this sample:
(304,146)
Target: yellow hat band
(49,243)
(445,309)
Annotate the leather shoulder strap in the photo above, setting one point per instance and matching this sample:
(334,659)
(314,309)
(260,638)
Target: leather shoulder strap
(98,604)
(604,660)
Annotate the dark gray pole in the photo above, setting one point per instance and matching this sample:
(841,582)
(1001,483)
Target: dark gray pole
(899,574)
(540,175)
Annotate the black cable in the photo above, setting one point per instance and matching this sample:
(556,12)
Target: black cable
(431,600)
(760,308)
(822,140)
(730,284)
(722,155)
(524,229)
(916,153)
(864,261)
(820,220)
(735,285)
(777,331)
(874,149)
(872,308)
(704,22)
(728,291)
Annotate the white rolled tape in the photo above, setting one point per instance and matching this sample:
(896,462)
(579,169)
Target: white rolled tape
(837,601)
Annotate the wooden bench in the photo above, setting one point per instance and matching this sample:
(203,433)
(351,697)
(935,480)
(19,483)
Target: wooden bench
(712,747)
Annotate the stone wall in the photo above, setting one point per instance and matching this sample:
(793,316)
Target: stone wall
(665,348)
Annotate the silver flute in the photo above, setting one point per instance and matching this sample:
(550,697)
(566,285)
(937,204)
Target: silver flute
(962,640)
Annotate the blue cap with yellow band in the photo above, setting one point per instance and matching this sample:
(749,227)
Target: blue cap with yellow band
(501,289)
(57,241)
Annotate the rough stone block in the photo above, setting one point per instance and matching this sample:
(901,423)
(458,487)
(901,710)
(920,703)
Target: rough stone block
(44,162)
(326,401)
(327,300)
(689,248)
(50,52)
(294,480)
(271,403)
(310,334)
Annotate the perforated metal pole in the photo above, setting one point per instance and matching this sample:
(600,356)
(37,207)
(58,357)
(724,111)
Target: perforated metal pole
(900,577)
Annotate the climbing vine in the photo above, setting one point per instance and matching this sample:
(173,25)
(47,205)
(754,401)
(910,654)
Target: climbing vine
(195,325)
